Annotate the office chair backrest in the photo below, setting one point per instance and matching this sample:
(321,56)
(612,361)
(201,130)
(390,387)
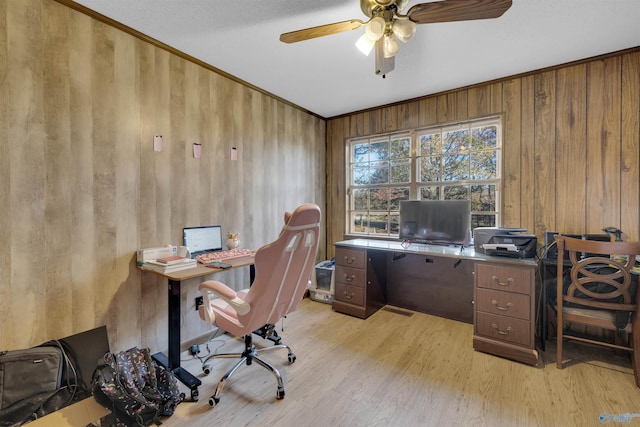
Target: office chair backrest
(283,268)
(600,275)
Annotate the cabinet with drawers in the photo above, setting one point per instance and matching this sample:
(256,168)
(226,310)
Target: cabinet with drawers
(504,311)
(359,281)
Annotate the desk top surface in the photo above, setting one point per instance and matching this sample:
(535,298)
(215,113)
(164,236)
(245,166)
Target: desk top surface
(466,252)
(201,270)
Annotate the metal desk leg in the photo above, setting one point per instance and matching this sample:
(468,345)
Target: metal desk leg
(173,361)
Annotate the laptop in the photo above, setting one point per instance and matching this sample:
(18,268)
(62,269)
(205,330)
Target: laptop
(202,240)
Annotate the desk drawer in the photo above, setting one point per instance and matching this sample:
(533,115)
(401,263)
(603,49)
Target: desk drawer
(504,328)
(351,294)
(349,276)
(350,257)
(504,303)
(512,279)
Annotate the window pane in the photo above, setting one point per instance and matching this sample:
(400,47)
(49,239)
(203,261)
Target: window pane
(400,172)
(401,148)
(394,223)
(458,192)
(360,153)
(379,173)
(429,169)
(360,221)
(456,167)
(430,145)
(456,141)
(378,224)
(360,174)
(483,198)
(398,194)
(483,221)
(379,151)
(430,193)
(484,165)
(360,199)
(484,137)
(379,199)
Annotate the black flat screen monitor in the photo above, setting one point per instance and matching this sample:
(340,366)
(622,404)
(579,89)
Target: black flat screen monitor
(443,222)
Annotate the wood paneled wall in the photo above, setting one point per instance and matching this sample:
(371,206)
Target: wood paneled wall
(82,189)
(571,140)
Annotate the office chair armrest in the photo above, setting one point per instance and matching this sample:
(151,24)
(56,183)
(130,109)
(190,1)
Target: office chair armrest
(226,293)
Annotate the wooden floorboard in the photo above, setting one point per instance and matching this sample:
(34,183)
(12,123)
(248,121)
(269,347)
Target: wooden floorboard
(395,370)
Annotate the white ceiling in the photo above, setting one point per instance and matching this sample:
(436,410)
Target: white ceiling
(328,76)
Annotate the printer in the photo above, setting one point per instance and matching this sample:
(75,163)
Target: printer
(482,235)
(512,244)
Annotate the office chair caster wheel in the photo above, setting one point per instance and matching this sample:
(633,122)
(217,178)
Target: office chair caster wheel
(213,401)
(292,358)
(182,397)
(280,393)
(206,369)
(194,395)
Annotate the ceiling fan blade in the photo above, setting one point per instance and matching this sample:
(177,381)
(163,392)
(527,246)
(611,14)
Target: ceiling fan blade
(457,10)
(320,31)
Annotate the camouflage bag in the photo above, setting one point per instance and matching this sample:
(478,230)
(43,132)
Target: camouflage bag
(136,389)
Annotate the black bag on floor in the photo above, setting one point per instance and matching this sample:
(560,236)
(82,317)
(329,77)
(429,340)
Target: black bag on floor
(136,389)
(35,382)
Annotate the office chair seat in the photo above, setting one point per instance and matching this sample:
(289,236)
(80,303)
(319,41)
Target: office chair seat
(282,272)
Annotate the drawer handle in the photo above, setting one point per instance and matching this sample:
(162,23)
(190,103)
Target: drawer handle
(507,332)
(349,260)
(505,308)
(508,283)
(349,279)
(348,296)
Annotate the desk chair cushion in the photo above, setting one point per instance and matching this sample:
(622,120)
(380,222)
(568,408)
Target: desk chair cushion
(604,318)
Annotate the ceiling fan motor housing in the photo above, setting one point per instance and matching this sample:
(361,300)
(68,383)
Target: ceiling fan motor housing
(369,7)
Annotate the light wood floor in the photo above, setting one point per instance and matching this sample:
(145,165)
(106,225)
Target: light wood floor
(406,370)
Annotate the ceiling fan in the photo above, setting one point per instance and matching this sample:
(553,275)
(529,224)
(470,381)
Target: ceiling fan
(387,24)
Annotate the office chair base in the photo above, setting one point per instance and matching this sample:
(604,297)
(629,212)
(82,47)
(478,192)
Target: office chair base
(247,357)
(268,332)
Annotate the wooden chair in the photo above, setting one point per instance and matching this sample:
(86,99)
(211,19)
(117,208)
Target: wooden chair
(598,287)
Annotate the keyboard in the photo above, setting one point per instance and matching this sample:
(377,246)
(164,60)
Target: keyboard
(224,255)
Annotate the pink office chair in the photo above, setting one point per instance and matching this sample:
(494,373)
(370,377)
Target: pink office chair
(282,272)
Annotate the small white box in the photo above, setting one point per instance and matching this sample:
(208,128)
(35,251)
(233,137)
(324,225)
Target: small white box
(151,254)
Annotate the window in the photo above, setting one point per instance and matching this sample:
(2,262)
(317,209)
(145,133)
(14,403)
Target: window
(460,161)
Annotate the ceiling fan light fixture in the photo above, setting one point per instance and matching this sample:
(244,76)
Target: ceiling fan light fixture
(403,29)
(390,46)
(375,28)
(373,31)
(365,44)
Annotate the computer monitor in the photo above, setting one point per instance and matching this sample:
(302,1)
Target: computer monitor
(444,222)
(204,239)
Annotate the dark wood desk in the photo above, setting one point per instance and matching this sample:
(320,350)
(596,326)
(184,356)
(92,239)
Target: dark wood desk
(174,280)
(498,295)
